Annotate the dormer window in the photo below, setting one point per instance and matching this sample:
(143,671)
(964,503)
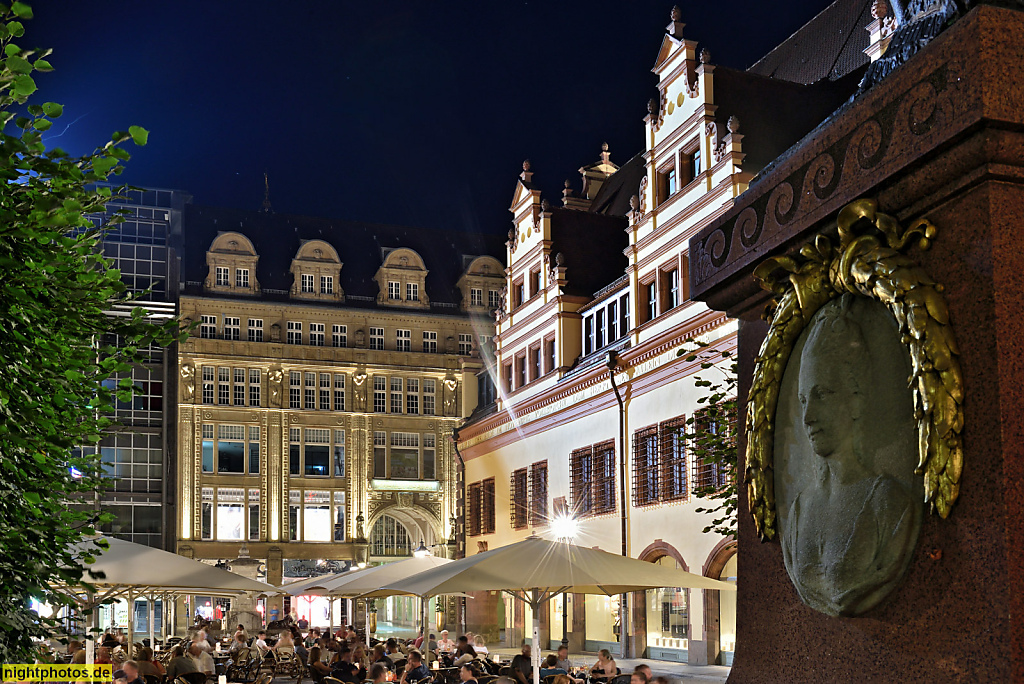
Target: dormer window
(401,278)
(231,260)
(412,292)
(493,299)
(316,272)
(241,277)
(476,297)
(222,276)
(307,283)
(326,284)
(394,289)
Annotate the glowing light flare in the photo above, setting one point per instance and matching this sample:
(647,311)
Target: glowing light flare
(565,527)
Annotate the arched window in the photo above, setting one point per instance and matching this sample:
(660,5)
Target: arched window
(389,538)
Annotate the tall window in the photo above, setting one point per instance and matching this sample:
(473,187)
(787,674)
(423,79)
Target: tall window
(295,390)
(376,338)
(412,396)
(254,449)
(519,497)
(339,392)
(403,340)
(396,395)
(430,341)
(255,329)
(224,386)
(339,336)
(230,513)
(380,394)
(307,283)
(645,466)
(534,358)
(476,296)
(380,454)
(241,277)
(670,289)
(592,479)
(429,396)
(429,456)
(481,507)
(294,332)
(208,327)
(239,393)
(309,393)
(694,160)
(651,292)
(232,328)
(339,453)
(389,538)
(465,344)
(254,387)
(222,276)
(326,284)
(254,514)
(708,475)
(412,292)
(316,334)
(539,493)
(207,384)
(673,458)
(493,299)
(549,354)
(325,391)
(394,289)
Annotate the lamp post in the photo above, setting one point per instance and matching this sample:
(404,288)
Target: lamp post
(565,527)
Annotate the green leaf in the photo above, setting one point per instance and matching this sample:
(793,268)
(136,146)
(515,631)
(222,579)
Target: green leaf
(103,165)
(140,136)
(52,109)
(21,10)
(11,49)
(42,124)
(24,85)
(32,497)
(42,65)
(16,29)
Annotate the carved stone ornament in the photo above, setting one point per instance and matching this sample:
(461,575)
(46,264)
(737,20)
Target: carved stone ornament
(869,262)
(188,381)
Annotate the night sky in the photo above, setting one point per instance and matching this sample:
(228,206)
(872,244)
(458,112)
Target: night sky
(416,113)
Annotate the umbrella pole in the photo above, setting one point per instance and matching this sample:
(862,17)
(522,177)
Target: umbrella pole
(330,613)
(90,635)
(366,621)
(535,650)
(152,628)
(131,626)
(424,604)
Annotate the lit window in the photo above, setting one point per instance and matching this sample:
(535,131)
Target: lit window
(241,277)
(339,336)
(326,284)
(222,276)
(476,297)
(430,341)
(412,292)
(230,513)
(307,283)
(394,289)
(316,517)
(316,334)
(403,340)
(294,332)
(255,329)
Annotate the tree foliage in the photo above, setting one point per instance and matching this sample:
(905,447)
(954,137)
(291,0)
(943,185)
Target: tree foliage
(710,434)
(56,345)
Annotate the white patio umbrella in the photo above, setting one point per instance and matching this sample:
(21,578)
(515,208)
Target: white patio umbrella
(317,586)
(536,570)
(131,569)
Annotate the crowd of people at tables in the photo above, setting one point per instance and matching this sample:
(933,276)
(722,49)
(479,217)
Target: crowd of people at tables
(346,658)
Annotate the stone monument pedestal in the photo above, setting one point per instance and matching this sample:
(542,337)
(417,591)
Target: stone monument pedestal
(941,137)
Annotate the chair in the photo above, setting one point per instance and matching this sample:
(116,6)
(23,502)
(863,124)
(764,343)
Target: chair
(550,678)
(287,663)
(507,671)
(399,664)
(153,679)
(621,678)
(332,680)
(193,677)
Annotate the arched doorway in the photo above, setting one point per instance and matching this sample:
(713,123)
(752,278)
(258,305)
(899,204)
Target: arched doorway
(720,607)
(664,613)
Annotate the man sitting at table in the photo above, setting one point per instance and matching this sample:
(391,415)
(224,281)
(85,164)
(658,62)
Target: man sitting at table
(445,645)
(203,660)
(415,669)
(464,652)
(345,670)
(522,667)
(392,651)
(131,671)
(179,664)
(563,658)
(261,642)
(550,667)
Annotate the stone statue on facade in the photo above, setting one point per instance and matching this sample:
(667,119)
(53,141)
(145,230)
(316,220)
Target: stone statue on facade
(188,382)
(275,382)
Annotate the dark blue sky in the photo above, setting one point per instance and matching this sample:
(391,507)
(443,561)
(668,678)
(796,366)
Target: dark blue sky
(416,113)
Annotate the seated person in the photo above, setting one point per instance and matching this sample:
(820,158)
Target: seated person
(344,670)
(285,641)
(550,667)
(392,650)
(522,668)
(445,645)
(467,674)
(131,671)
(646,670)
(415,669)
(179,664)
(378,673)
(563,658)
(464,652)
(238,642)
(380,657)
(203,660)
(638,677)
(147,666)
(317,667)
(604,670)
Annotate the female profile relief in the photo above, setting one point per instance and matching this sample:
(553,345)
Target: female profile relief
(849,504)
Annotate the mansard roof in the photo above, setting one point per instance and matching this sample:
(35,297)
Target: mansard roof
(362,248)
(829,46)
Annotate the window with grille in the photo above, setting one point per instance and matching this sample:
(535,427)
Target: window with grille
(430,341)
(519,497)
(581,465)
(307,283)
(429,397)
(380,394)
(539,493)
(326,284)
(294,332)
(604,478)
(592,479)
(255,329)
(376,338)
(222,276)
(476,297)
(339,336)
(310,392)
(316,334)
(672,441)
(232,328)
(394,289)
(208,327)
(403,340)
(295,390)
(645,466)
(708,474)
(465,344)
(412,292)
(241,277)
(339,392)
(487,507)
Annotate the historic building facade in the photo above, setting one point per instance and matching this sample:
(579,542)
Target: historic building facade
(318,393)
(599,287)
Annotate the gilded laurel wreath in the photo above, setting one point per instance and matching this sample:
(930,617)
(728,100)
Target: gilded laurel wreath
(865,265)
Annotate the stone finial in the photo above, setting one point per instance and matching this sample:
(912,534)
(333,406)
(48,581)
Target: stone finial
(527,173)
(879,9)
(605,155)
(733,124)
(511,234)
(705,56)
(526,165)
(677,14)
(559,259)
(634,202)
(652,107)
(545,205)
(566,192)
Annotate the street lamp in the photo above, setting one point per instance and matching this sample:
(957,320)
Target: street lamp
(421,551)
(565,527)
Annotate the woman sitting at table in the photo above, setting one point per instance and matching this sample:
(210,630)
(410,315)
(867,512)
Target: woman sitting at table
(604,669)
(147,666)
(479,646)
(237,643)
(468,674)
(317,667)
(285,641)
(550,667)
